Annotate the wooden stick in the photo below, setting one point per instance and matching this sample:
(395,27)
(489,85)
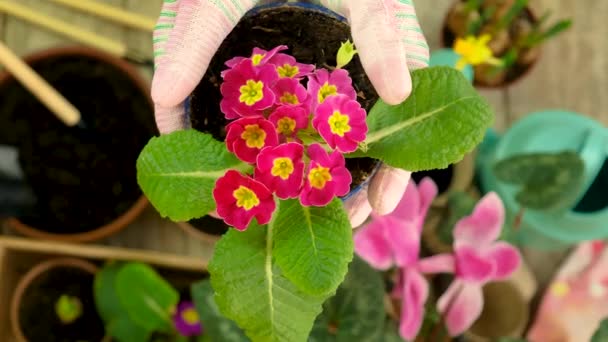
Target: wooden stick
(50,97)
(112,13)
(71,31)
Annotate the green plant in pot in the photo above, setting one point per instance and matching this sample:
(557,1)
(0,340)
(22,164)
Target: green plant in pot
(284,132)
(137,304)
(549,181)
(507,29)
(54,301)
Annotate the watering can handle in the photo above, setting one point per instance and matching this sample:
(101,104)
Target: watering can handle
(593,152)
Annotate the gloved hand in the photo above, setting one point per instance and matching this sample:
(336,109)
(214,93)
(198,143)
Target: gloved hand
(386,33)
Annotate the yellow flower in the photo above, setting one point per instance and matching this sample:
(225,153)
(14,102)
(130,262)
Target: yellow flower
(474,51)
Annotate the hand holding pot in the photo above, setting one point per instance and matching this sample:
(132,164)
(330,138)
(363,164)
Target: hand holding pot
(386,33)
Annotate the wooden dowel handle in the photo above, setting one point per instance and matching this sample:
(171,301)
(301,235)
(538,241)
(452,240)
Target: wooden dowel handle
(50,97)
(112,13)
(71,31)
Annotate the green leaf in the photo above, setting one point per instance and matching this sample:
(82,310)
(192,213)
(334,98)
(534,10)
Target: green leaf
(548,180)
(146,297)
(356,312)
(118,323)
(601,334)
(443,119)
(313,245)
(216,326)
(178,171)
(250,289)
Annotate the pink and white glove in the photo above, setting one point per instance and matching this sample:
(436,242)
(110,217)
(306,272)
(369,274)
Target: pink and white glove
(386,33)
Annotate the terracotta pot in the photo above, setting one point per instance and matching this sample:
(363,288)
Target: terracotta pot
(135,210)
(30,276)
(447,39)
(505,313)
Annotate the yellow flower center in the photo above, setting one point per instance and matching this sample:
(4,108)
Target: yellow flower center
(560,289)
(282,167)
(245,198)
(474,51)
(190,316)
(252,92)
(327,90)
(254,136)
(338,123)
(286,126)
(318,177)
(257,58)
(289,98)
(288,70)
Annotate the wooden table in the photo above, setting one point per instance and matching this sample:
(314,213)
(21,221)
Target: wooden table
(572,74)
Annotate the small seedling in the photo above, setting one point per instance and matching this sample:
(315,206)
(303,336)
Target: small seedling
(68,309)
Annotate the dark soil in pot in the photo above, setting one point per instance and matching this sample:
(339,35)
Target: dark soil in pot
(82,178)
(441,177)
(210,225)
(313,37)
(37,316)
(595,199)
(488,76)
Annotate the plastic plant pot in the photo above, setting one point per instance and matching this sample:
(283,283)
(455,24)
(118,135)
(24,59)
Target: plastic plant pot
(585,218)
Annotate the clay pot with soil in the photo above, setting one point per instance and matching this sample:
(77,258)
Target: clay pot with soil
(34,315)
(83,179)
(316,40)
(516,32)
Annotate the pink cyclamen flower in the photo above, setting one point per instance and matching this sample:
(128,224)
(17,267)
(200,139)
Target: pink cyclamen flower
(281,169)
(288,121)
(289,92)
(247,90)
(246,137)
(323,84)
(186,320)
(394,240)
(341,122)
(258,57)
(240,198)
(325,177)
(479,259)
(288,67)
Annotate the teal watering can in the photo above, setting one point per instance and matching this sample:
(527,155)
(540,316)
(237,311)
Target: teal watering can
(586,218)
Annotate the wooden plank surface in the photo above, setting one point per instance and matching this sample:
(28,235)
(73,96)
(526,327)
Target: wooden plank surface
(571,74)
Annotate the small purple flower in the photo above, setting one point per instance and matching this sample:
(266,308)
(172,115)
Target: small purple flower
(186,320)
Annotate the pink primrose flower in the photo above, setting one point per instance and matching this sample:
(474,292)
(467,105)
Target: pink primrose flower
(289,92)
(247,90)
(288,67)
(479,259)
(288,121)
(323,84)
(240,198)
(281,169)
(258,57)
(325,177)
(341,122)
(246,137)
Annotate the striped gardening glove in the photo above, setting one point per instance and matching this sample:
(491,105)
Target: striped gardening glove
(187,35)
(390,43)
(386,33)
